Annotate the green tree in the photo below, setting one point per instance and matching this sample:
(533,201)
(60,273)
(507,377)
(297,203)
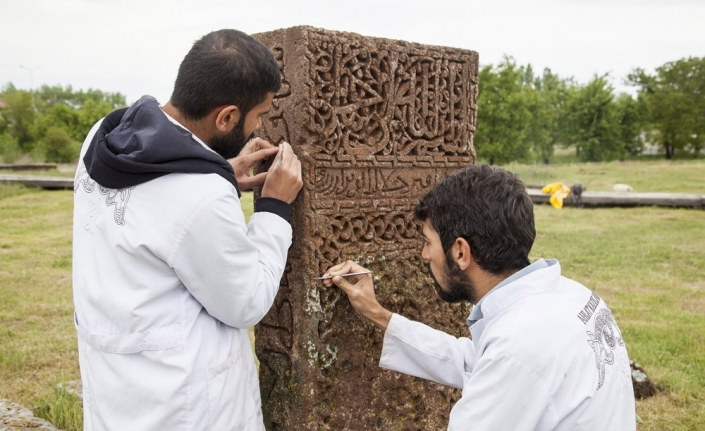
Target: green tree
(591,121)
(58,115)
(48,96)
(503,113)
(631,120)
(9,149)
(547,103)
(92,112)
(29,115)
(675,95)
(18,116)
(58,146)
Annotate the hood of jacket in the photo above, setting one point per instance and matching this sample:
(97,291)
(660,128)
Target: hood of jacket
(138,144)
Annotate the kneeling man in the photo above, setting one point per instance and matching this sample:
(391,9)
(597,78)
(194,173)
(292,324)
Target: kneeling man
(545,353)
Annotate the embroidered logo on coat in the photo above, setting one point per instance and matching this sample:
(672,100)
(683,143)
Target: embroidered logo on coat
(115,197)
(587,311)
(604,340)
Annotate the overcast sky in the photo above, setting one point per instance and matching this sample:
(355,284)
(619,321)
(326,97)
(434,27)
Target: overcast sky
(135,46)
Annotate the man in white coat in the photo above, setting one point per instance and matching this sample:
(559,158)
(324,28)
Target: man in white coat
(545,353)
(167,275)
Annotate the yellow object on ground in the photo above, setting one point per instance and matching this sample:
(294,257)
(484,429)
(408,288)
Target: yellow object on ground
(558,192)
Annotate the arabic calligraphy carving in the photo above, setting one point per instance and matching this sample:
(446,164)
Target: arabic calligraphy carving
(376,124)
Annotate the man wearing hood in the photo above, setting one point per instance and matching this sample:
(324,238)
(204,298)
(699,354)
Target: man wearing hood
(167,275)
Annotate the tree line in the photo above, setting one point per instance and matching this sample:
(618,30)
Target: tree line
(51,122)
(522,115)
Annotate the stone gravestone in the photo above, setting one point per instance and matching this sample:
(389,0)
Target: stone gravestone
(376,123)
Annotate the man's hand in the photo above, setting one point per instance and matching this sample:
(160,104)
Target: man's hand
(283,179)
(360,291)
(255,150)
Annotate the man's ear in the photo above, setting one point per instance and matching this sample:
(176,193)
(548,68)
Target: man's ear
(226,117)
(461,253)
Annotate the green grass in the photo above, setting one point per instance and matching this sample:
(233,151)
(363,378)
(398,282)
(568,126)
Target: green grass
(37,338)
(9,190)
(62,409)
(652,176)
(647,263)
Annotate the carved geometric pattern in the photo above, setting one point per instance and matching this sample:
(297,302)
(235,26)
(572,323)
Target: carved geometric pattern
(376,124)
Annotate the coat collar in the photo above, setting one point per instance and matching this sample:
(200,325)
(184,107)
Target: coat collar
(537,281)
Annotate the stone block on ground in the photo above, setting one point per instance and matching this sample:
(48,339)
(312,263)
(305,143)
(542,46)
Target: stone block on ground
(14,417)
(643,387)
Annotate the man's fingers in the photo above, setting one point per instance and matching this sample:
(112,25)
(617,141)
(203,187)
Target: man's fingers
(243,162)
(247,183)
(337,269)
(344,284)
(281,149)
(262,154)
(287,155)
(345,268)
(260,177)
(262,144)
(341,268)
(256,144)
(284,180)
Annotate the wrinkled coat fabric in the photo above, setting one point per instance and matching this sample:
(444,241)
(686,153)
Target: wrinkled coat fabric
(547,355)
(167,278)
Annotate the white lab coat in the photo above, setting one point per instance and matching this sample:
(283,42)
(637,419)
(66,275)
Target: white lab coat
(167,277)
(546,356)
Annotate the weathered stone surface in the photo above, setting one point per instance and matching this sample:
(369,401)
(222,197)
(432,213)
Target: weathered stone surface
(376,123)
(14,417)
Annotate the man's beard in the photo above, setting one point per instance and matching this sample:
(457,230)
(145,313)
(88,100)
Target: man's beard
(459,286)
(230,144)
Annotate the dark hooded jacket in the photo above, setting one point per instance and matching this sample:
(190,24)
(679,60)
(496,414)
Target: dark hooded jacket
(138,144)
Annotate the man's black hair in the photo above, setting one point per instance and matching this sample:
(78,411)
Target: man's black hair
(225,67)
(490,208)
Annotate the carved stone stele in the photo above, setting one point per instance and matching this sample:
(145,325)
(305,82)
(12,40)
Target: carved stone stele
(376,123)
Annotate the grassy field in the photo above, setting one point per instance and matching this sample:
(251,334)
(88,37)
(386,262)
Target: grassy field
(37,338)
(652,176)
(647,263)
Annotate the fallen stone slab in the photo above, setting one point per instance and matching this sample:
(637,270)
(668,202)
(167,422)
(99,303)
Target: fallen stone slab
(29,167)
(14,417)
(626,199)
(55,183)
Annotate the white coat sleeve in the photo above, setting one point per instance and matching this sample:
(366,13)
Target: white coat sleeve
(502,393)
(419,350)
(232,269)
